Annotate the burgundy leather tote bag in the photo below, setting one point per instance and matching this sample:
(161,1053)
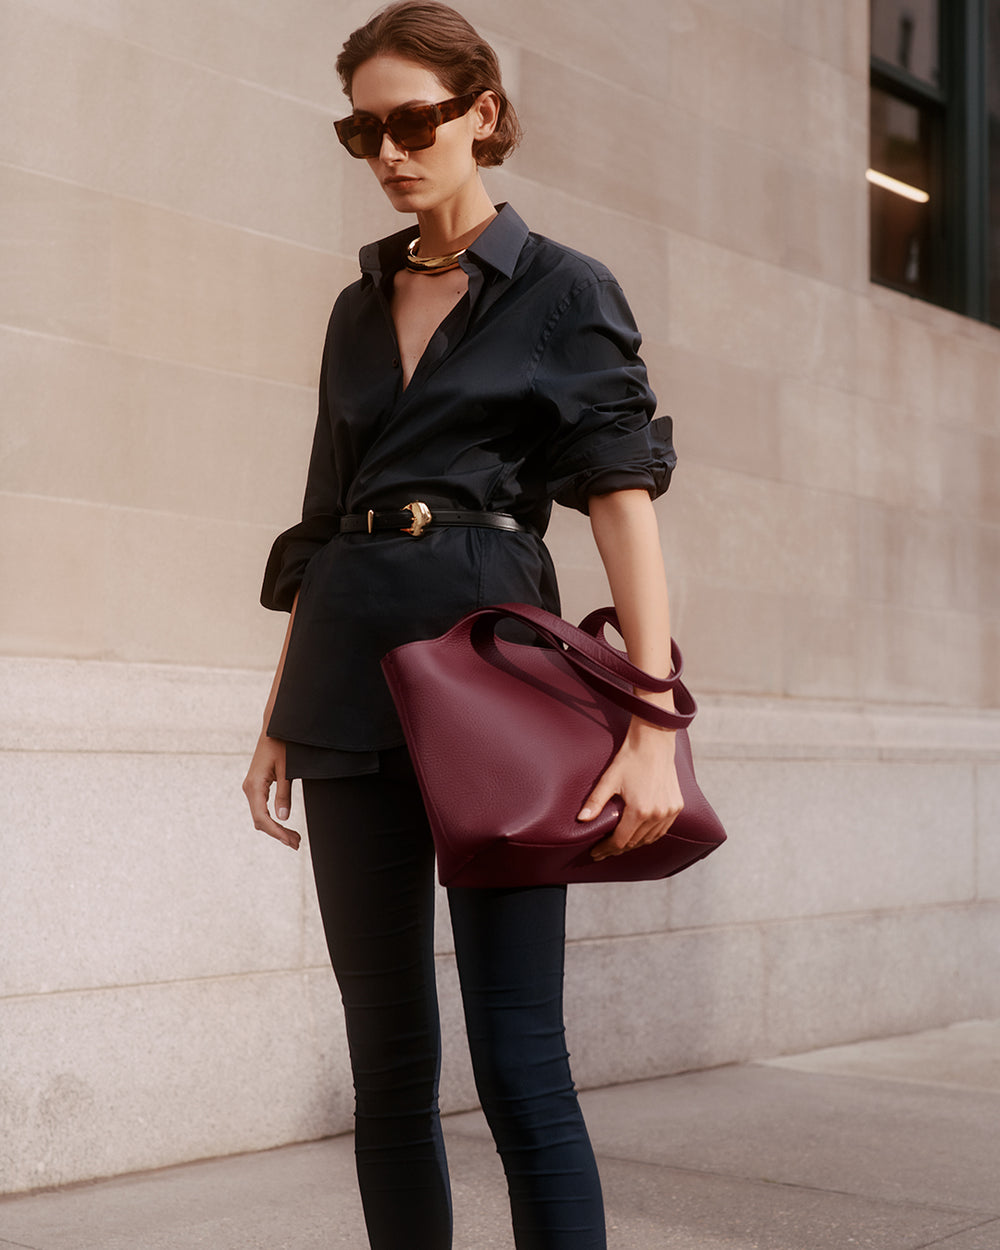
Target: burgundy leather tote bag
(508,739)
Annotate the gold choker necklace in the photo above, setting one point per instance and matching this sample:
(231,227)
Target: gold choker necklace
(430,264)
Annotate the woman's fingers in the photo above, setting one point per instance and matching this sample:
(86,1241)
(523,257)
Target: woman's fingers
(288,836)
(620,840)
(635,830)
(283,798)
(264,773)
(265,823)
(599,797)
(273,830)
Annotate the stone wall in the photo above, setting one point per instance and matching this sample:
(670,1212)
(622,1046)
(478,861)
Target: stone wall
(175,220)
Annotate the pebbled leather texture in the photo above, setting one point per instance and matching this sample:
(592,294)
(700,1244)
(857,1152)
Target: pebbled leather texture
(507,740)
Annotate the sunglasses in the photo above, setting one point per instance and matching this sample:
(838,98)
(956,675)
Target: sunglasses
(413,127)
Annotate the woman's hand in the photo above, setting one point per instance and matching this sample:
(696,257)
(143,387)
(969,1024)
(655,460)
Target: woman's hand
(643,773)
(267,768)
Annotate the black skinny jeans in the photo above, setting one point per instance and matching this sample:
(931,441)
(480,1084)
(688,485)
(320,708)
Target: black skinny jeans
(374,862)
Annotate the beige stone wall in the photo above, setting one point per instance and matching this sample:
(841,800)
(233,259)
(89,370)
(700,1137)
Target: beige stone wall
(177,218)
(175,221)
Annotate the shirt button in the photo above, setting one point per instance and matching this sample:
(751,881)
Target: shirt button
(395,363)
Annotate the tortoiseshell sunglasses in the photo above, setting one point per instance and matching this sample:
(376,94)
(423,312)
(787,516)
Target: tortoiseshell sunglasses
(413,127)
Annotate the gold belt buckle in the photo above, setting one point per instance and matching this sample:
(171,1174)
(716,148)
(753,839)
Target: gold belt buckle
(422,517)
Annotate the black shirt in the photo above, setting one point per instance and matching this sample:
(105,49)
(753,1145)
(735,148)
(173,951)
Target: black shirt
(530,390)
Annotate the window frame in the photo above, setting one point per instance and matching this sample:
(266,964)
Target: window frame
(960,237)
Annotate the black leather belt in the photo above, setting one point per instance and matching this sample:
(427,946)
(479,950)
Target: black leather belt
(417,516)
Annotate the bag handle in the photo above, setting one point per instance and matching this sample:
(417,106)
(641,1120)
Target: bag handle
(597,661)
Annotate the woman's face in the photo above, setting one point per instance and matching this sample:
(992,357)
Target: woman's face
(425,180)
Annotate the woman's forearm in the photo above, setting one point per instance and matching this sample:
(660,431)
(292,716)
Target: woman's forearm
(628,539)
(269,706)
(643,770)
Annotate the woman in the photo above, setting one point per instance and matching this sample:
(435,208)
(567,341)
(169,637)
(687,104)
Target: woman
(473,374)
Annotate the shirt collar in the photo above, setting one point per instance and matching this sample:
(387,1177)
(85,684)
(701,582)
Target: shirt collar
(498,246)
(501,242)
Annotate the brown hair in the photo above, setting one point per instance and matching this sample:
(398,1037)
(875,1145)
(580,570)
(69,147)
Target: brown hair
(440,39)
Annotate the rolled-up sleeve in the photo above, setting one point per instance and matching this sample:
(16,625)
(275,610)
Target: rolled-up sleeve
(290,553)
(591,386)
(292,550)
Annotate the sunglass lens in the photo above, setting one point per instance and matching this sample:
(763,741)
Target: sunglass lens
(413,129)
(361,138)
(366,139)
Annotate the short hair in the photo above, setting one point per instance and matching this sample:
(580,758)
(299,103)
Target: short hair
(437,37)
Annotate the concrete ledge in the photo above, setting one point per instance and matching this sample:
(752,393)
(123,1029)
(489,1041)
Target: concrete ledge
(93,705)
(672,1002)
(802,729)
(164,993)
(101,1082)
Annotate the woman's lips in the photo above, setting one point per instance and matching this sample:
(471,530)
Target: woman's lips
(400,182)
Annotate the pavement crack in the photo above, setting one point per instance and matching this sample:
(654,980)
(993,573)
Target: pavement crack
(943,1241)
(805,1187)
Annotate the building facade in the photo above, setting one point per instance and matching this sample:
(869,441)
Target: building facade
(177,219)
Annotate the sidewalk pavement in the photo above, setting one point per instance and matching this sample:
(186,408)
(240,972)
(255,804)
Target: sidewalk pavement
(891,1144)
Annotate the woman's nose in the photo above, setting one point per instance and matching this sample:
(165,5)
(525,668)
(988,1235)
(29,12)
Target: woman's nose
(390,151)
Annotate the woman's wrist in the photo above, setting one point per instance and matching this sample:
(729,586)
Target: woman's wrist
(663,699)
(642,731)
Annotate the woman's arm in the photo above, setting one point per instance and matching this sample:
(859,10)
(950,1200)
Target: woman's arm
(642,771)
(267,767)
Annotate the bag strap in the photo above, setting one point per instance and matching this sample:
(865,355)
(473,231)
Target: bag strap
(597,662)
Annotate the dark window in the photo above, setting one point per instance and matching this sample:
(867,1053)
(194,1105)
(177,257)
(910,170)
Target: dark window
(905,194)
(934,167)
(907,34)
